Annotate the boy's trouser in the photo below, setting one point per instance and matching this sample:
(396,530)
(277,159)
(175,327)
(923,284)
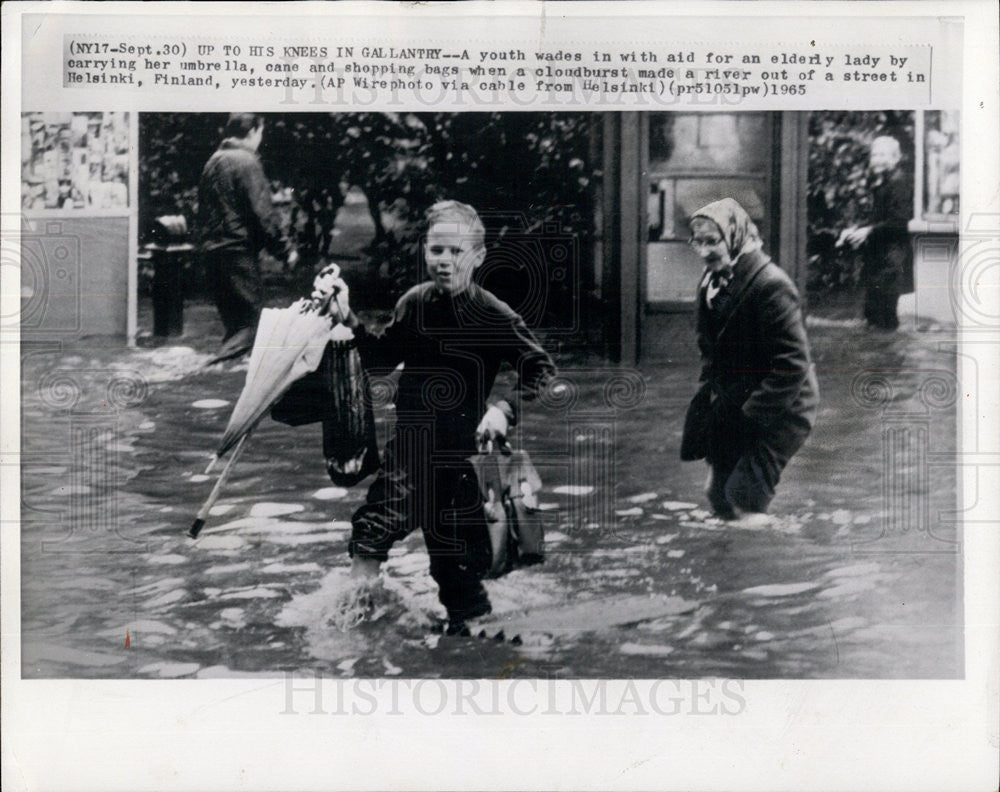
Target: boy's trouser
(237,287)
(440,494)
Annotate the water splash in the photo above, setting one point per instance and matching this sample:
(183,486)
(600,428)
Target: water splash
(338,613)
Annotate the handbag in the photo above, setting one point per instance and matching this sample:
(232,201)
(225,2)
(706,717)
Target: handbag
(337,394)
(697,425)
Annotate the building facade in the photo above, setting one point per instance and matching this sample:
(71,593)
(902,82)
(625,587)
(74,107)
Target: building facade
(660,167)
(79,243)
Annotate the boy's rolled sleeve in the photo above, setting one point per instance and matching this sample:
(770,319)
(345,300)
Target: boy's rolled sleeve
(382,352)
(534,367)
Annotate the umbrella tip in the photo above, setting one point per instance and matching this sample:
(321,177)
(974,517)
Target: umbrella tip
(211,465)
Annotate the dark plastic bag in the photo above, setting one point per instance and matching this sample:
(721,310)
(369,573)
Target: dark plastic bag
(336,394)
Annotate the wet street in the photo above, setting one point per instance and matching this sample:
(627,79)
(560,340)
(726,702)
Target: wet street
(857,575)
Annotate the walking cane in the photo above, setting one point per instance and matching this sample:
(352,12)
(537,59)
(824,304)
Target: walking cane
(202,515)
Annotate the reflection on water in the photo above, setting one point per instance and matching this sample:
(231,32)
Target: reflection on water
(115,444)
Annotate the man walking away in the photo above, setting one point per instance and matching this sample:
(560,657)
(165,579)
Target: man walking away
(236,221)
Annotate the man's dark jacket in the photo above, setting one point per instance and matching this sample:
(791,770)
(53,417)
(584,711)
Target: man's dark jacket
(888,251)
(234,204)
(757,372)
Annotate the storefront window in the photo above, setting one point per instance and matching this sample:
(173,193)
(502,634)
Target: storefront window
(694,159)
(697,158)
(708,143)
(941,164)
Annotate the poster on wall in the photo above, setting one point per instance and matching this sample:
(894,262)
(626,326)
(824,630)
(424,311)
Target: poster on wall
(74,160)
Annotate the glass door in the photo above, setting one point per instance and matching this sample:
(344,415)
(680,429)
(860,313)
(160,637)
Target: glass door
(694,159)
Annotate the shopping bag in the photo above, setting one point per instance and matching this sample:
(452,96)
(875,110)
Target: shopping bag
(526,528)
(509,483)
(503,545)
(337,395)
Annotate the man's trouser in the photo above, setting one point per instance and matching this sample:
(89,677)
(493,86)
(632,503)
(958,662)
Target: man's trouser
(438,493)
(238,289)
(882,297)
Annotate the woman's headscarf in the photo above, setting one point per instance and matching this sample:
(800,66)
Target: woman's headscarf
(738,230)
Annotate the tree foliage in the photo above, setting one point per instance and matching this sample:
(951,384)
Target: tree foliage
(173,149)
(529,174)
(839,185)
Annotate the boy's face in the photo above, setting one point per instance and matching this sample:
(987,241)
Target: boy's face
(452,256)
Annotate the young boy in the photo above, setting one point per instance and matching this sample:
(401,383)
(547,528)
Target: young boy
(451,336)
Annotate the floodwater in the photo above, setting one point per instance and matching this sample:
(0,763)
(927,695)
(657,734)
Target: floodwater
(858,574)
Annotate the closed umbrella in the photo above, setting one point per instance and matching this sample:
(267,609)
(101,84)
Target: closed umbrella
(289,344)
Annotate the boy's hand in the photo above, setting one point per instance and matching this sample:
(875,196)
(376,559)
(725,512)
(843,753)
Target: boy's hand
(492,430)
(328,284)
(325,281)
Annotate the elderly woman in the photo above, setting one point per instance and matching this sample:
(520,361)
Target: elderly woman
(758,396)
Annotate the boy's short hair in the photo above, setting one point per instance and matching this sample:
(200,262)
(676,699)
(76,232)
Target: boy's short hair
(461,214)
(239,125)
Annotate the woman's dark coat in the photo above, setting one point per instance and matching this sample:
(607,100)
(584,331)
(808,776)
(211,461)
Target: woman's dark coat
(756,368)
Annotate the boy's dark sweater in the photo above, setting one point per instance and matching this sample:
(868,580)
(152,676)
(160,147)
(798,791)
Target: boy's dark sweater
(452,348)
